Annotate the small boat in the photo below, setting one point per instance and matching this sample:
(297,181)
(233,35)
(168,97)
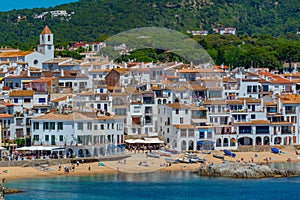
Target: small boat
(218,155)
(153,155)
(228,153)
(202,160)
(170,160)
(184,160)
(206,151)
(165,153)
(172,151)
(275,150)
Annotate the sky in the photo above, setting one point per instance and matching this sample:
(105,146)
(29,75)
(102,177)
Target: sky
(6,5)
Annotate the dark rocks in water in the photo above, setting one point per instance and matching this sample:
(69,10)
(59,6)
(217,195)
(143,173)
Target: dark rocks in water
(12,191)
(242,170)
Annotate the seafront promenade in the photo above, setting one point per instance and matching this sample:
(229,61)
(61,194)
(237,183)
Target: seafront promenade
(130,162)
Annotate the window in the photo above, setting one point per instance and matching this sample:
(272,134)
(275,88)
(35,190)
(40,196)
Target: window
(80,126)
(42,100)
(49,38)
(46,138)
(60,126)
(186,111)
(133,130)
(52,125)
(177,111)
(36,137)
(181,120)
(27,100)
(49,47)
(46,125)
(36,125)
(252,116)
(95,127)
(102,126)
(112,126)
(35,62)
(16,100)
(89,125)
(61,138)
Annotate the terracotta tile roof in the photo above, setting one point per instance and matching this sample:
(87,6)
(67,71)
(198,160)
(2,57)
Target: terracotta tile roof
(202,108)
(74,116)
(290,99)
(197,87)
(177,105)
(100,70)
(73,74)
(46,30)
(277,79)
(21,93)
(234,102)
(42,80)
(121,70)
(255,122)
(282,123)
(228,79)
(184,126)
(215,102)
(6,116)
(155,88)
(60,99)
(270,104)
(250,100)
(14,54)
(56,60)
(8,104)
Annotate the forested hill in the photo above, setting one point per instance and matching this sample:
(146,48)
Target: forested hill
(93,19)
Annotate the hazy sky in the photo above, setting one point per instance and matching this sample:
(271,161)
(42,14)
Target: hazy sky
(6,5)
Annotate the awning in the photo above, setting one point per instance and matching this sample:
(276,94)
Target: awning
(145,141)
(39,148)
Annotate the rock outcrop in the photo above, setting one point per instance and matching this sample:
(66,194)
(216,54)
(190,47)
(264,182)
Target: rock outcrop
(243,170)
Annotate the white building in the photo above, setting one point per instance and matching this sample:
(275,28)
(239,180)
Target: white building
(34,58)
(81,134)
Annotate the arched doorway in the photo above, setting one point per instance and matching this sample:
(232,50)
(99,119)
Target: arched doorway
(164,101)
(225,142)
(183,145)
(245,141)
(266,140)
(159,101)
(277,140)
(102,151)
(69,153)
(218,142)
(258,141)
(232,142)
(191,145)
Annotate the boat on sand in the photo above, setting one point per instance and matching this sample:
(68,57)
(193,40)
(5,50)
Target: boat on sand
(228,153)
(275,150)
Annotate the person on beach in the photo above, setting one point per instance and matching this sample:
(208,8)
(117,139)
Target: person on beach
(89,168)
(59,167)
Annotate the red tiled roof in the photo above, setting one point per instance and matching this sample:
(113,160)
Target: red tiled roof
(46,30)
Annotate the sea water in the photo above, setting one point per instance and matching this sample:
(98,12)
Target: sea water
(158,185)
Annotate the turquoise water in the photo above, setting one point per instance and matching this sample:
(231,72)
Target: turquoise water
(158,185)
(22,4)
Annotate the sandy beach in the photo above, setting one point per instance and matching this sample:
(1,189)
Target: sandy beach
(141,163)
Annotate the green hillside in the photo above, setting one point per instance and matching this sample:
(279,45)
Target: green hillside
(93,19)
